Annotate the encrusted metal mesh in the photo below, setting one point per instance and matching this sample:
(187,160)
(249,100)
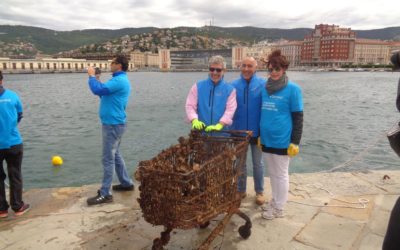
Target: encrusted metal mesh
(192,182)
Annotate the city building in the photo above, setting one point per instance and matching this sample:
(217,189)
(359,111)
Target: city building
(53,65)
(291,50)
(138,58)
(197,59)
(369,51)
(394,46)
(152,60)
(328,46)
(165,59)
(238,54)
(259,52)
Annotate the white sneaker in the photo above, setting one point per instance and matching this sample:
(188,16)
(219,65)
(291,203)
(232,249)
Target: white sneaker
(271,212)
(278,213)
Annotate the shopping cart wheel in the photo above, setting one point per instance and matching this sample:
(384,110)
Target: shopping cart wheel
(157,244)
(204,225)
(245,231)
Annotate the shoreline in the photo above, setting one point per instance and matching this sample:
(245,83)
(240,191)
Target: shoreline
(60,218)
(22,72)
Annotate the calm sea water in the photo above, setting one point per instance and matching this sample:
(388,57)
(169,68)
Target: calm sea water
(345,117)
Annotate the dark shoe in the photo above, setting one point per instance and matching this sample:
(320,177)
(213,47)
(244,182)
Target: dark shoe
(99,199)
(241,195)
(4,214)
(25,208)
(119,187)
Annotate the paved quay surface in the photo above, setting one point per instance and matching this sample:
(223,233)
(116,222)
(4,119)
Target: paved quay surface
(316,217)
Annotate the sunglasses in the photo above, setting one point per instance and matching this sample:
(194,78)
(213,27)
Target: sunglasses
(276,69)
(215,69)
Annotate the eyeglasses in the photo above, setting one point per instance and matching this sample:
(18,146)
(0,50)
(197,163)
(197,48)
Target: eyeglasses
(215,69)
(276,69)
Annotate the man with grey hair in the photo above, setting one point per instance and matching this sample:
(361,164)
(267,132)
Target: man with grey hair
(211,103)
(247,117)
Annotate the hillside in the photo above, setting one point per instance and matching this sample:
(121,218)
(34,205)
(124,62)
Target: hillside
(391,33)
(51,41)
(26,40)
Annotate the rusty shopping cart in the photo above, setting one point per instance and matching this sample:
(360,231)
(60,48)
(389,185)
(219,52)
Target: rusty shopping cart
(190,183)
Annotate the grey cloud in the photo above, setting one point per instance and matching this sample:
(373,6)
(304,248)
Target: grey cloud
(73,14)
(139,4)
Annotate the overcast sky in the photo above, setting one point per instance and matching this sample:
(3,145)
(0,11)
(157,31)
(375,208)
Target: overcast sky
(115,14)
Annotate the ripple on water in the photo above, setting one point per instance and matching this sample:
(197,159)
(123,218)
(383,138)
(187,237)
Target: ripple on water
(343,115)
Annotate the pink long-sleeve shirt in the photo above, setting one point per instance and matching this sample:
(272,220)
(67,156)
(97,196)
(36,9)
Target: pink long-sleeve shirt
(191,106)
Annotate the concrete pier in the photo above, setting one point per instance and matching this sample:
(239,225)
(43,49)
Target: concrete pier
(323,212)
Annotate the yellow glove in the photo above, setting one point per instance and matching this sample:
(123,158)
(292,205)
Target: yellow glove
(292,150)
(259,142)
(216,127)
(196,124)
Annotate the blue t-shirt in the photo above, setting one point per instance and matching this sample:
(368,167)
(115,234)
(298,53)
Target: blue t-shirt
(276,115)
(113,105)
(10,106)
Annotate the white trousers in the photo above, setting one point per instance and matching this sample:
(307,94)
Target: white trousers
(278,171)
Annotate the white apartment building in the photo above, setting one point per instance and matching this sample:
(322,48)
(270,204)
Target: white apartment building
(368,51)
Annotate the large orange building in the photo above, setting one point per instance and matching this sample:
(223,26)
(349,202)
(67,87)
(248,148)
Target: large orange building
(328,45)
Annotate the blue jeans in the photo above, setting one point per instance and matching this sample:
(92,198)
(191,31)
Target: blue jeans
(112,158)
(258,171)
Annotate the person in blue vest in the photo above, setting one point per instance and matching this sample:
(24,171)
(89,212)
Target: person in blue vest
(114,95)
(247,117)
(211,103)
(281,128)
(11,151)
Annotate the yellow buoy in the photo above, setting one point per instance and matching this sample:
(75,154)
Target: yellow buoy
(57,160)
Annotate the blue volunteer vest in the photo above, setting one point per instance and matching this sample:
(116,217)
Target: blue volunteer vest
(248,98)
(212,99)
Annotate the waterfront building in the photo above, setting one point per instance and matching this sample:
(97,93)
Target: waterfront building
(152,60)
(328,46)
(165,59)
(160,60)
(238,54)
(138,58)
(197,59)
(291,50)
(394,46)
(53,65)
(259,51)
(369,51)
